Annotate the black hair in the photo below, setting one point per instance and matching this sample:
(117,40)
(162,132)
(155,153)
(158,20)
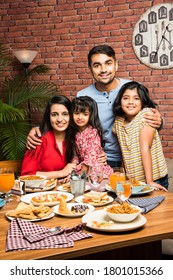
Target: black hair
(80,104)
(101,49)
(143,95)
(46,125)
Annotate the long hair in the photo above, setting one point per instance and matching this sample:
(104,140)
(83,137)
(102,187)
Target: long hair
(101,49)
(143,95)
(46,125)
(80,104)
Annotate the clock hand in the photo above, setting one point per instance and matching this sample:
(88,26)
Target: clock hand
(163,38)
(167,41)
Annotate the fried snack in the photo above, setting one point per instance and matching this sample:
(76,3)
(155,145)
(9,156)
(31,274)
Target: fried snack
(135,182)
(30,212)
(124,208)
(102,224)
(63,209)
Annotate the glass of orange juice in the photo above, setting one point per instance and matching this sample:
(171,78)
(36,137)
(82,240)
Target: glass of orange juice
(124,188)
(116,176)
(7,180)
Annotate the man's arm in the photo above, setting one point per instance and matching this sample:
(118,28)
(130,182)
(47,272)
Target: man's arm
(154,118)
(33,138)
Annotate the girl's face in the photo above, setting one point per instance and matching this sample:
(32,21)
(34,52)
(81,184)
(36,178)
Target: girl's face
(131,103)
(59,117)
(81,119)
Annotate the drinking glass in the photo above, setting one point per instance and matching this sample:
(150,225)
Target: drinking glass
(95,175)
(116,176)
(124,188)
(7,180)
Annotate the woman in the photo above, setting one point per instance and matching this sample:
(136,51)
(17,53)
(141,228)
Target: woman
(52,158)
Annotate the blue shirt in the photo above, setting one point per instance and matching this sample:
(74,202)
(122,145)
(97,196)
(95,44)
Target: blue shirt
(105,107)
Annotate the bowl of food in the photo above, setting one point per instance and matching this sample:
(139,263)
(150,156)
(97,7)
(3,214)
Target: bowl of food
(33,181)
(123,213)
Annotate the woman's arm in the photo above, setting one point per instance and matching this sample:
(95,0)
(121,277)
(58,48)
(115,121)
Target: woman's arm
(63,173)
(146,139)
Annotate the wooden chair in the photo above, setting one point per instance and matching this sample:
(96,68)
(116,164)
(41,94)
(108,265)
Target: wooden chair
(15,165)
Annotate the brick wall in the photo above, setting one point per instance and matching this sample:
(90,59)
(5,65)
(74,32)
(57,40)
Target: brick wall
(63,31)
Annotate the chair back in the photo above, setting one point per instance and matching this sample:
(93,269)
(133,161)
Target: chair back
(15,165)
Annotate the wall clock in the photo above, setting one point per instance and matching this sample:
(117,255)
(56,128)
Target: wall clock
(153,37)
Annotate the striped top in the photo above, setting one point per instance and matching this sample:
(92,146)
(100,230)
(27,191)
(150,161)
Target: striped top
(128,137)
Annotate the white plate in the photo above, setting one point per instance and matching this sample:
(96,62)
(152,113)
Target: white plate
(80,200)
(144,191)
(64,189)
(69,205)
(44,188)
(27,198)
(101,216)
(36,220)
(108,188)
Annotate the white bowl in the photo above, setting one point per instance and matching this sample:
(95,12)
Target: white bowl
(32,182)
(124,217)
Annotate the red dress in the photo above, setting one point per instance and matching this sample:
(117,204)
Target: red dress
(46,157)
(88,149)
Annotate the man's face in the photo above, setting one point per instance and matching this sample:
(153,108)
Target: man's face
(103,68)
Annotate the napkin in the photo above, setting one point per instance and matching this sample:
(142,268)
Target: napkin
(25,235)
(147,204)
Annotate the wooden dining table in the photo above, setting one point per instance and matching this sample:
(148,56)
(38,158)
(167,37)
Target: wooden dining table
(143,243)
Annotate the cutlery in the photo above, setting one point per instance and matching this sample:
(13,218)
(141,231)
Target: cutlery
(54,229)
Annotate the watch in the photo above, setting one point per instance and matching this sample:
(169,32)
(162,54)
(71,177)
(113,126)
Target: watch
(152,38)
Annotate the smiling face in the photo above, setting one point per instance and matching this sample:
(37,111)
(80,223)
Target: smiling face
(59,117)
(81,119)
(131,103)
(103,69)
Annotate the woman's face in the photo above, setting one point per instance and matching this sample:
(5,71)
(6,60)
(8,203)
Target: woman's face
(131,103)
(59,117)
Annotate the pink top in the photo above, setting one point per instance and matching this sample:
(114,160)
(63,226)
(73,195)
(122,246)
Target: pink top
(46,157)
(88,149)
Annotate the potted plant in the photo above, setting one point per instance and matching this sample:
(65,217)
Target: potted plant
(15,93)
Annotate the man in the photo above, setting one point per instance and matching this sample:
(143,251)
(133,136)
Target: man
(103,66)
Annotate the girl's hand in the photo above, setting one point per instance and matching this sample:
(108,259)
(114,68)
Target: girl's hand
(157,186)
(64,180)
(102,158)
(153,118)
(32,139)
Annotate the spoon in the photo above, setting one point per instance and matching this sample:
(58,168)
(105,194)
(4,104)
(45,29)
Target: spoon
(54,229)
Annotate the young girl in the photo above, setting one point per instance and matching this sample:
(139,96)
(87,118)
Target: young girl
(140,143)
(88,134)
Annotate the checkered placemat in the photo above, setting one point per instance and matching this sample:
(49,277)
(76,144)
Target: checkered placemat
(24,235)
(147,204)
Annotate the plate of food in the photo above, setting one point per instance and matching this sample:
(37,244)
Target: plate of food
(30,212)
(45,186)
(146,190)
(73,210)
(100,221)
(50,198)
(95,198)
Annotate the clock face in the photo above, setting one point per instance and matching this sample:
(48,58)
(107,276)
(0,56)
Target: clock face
(153,37)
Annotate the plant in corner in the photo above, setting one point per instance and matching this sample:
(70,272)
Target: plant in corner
(15,93)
